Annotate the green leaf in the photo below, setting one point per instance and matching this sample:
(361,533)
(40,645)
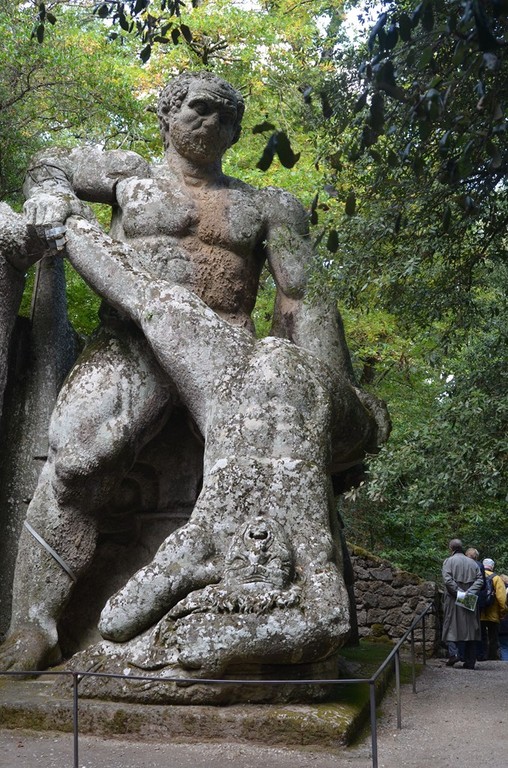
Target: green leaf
(426,56)
(122,20)
(392,159)
(360,102)
(285,152)
(139,6)
(380,23)
(391,37)
(495,154)
(350,206)
(427,18)
(447,218)
(332,242)
(268,153)
(460,52)
(145,53)
(186,33)
(405,27)
(262,127)
(103,11)
(416,15)
(313,210)
(376,113)
(444,142)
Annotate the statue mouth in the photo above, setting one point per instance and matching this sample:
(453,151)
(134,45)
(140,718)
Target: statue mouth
(256,578)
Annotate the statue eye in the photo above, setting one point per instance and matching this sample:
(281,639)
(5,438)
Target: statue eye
(201,107)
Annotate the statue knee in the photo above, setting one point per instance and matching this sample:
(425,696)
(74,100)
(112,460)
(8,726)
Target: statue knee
(73,477)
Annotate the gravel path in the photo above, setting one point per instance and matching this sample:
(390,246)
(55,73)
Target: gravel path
(457,718)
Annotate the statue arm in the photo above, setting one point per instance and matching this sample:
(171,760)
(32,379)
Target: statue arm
(314,324)
(59,179)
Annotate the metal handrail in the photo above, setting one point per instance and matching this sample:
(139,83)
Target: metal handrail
(394,656)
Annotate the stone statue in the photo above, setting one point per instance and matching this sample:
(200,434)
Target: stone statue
(255,575)
(20,247)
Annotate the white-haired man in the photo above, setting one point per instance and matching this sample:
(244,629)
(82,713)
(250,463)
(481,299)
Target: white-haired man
(490,617)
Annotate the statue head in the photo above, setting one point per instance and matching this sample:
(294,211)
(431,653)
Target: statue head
(260,552)
(188,106)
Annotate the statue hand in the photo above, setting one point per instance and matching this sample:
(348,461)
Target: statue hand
(46,208)
(379,411)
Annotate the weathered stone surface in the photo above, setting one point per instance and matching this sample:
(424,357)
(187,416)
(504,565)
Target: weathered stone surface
(17,248)
(46,350)
(43,349)
(403,579)
(38,706)
(275,416)
(256,616)
(382,574)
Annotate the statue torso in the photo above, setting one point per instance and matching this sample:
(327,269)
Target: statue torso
(208,239)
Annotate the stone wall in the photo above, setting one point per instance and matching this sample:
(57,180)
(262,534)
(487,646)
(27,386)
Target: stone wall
(388,599)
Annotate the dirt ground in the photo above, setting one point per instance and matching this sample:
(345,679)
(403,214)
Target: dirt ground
(457,718)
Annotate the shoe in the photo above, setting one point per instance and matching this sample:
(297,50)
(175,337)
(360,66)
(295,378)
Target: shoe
(452,660)
(467,666)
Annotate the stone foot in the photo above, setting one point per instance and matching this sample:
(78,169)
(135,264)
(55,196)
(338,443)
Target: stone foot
(28,649)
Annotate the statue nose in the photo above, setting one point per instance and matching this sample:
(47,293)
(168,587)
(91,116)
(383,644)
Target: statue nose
(212,119)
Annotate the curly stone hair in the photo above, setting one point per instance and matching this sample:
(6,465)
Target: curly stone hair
(173,95)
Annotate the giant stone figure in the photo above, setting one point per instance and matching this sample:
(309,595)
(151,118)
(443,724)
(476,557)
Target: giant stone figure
(254,577)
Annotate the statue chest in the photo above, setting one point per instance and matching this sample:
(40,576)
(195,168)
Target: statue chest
(226,218)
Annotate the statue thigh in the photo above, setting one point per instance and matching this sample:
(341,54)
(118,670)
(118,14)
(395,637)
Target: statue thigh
(114,401)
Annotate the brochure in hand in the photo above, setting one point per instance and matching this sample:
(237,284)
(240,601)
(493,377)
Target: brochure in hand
(466,600)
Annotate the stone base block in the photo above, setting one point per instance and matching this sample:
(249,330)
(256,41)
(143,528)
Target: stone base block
(33,705)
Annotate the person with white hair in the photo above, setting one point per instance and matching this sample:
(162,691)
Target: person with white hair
(503,626)
(490,617)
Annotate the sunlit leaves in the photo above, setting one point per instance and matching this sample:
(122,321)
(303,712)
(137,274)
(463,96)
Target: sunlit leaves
(72,87)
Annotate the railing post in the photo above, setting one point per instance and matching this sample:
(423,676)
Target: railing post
(397,688)
(413,659)
(424,638)
(75,724)
(373,722)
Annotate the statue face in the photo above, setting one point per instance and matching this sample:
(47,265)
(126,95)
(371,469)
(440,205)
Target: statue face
(205,125)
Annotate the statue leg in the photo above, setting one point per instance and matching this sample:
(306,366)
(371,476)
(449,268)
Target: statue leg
(184,562)
(114,400)
(190,341)
(218,367)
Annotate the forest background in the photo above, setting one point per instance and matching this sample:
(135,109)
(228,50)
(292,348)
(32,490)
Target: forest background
(388,121)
